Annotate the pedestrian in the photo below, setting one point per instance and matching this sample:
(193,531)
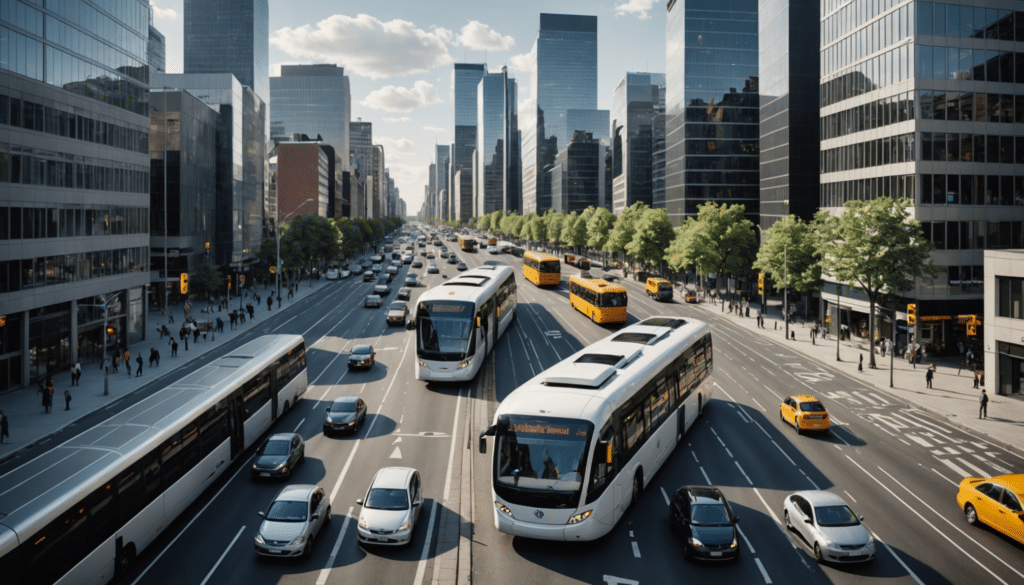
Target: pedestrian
(3,427)
(128,362)
(151,350)
(812,336)
(138,372)
(860,366)
(186,343)
(115,363)
(195,334)
(174,348)
(983,411)
(241,317)
(929,376)
(290,293)
(232,317)
(48,394)
(67,400)
(220,325)
(278,301)
(270,302)
(170,317)
(748,311)
(78,373)
(249,309)
(209,327)
(182,332)
(976,380)
(882,344)
(913,361)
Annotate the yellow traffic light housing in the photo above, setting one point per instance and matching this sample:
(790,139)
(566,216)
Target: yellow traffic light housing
(760,283)
(183,280)
(912,313)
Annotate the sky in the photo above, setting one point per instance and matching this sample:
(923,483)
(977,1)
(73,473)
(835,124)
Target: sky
(398,55)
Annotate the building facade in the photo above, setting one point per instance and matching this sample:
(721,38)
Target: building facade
(304,172)
(230,36)
(361,160)
(440,177)
(1004,322)
(637,104)
(496,184)
(711,106)
(378,183)
(467,78)
(74,183)
(790,142)
(564,78)
(578,176)
(314,100)
(156,50)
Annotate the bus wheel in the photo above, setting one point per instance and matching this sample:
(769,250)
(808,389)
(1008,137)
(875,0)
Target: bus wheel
(638,486)
(124,561)
(700,405)
(286,406)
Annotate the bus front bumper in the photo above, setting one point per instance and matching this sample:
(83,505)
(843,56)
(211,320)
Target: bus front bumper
(587,530)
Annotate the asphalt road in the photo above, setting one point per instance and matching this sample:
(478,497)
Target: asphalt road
(896,466)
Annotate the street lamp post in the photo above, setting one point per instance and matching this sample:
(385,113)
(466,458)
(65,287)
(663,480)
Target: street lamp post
(106,366)
(785,289)
(277,233)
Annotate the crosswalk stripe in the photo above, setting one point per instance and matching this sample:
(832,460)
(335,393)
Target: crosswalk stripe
(880,399)
(998,468)
(918,440)
(924,423)
(952,451)
(865,398)
(973,467)
(959,472)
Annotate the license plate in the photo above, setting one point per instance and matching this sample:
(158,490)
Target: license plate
(264,475)
(381,538)
(716,554)
(274,552)
(817,426)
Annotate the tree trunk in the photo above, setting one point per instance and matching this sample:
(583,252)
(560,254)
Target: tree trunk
(871,330)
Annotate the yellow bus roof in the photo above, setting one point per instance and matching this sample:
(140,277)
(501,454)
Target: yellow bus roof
(656,280)
(597,284)
(541,256)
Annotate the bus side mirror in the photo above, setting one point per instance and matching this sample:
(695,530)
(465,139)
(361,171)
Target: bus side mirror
(488,432)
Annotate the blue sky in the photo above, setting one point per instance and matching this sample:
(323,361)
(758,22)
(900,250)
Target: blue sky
(398,56)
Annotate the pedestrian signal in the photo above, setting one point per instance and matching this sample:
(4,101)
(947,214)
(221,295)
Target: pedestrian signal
(912,313)
(184,283)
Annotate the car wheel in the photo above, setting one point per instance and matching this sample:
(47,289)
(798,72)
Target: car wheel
(286,406)
(782,417)
(687,554)
(971,514)
(796,425)
(302,458)
(785,516)
(308,551)
(817,553)
(327,520)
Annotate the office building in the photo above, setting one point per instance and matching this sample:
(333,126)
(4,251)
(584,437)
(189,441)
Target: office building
(927,107)
(378,183)
(74,184)
(711,106)
(183,190)
(1002,340)
(578,176)
(467,78)
(314,100)
(360,146)
(156,49)
(304,171)
(565,78)
(789,139)
(230,36)
(241,161)
(637,105)
(439,195)
(496,128)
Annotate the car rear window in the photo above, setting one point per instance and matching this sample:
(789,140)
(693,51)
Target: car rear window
(812,407)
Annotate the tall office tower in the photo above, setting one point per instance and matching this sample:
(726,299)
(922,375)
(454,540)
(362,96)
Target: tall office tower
(442,162)
(360,144)
(377,183)
(928,107)
(637,102)
(496,99)
(711,102)
(313,100)
(448,198)
(564,78)
(578,176)
(156,50)
(74,183)
(230,36)
(513,149)
(431,186)
(658,154)
(241,162)
(467,77)
(790,142)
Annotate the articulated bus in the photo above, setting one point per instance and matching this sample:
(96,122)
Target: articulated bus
(542,269)
(467,244)
(81,512)
(598,299)
(459,321)
(575,445)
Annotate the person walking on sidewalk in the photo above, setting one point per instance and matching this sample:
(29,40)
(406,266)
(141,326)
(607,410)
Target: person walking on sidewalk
(174,348)
(138,372)
(3,427)
(975,379)
(48,394)
(270,302)
(929,376)
(983,411)
(67,400)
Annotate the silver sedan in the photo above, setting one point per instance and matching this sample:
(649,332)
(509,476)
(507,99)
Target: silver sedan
(829,527)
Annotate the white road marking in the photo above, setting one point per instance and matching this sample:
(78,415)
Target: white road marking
(898,559)
(922,423)
(743,416)
(952,451)
(299,425)
(743,472)
(784,454)
(851,497)
(694,456)
(866,398)
(667,502)
(636,549)
(706,478)
(958,471)
(880,399)
(421,567)
(224,554)
(451,451)
(758,404)
(745,539)
(396,454)
(730,453)
(397,440)
(944,477)
(978,471)
(611,580)
(918,440)
(764,573)
(993,465)
(810,480)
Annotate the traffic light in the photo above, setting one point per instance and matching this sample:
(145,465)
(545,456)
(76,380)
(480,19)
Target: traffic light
(241,280)
(183,280)
(972,326)
(912,314)
(760,283)
(229,282)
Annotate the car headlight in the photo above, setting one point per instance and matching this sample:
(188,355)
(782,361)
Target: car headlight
(503,508)
(827,543)
(696,543)
(580,517)
(298,540)
(735,543)
(405,526)
(259,539)
(282,467)
(363,523)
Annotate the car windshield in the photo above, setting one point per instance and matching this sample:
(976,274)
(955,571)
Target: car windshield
(709,515)
(397,306)
(835,516)
(444,329)
(382,281)
(343,406)
(664,286)
(613,299)
(812,407)
(387,499)
(361,350)
(541,461)
(284,511)
(275,448)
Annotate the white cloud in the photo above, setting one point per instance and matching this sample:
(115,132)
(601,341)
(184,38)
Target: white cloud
(367,46)
(167,13)
(392,98)
(394,147)
(435,129)
(526,61)
(480,37)
(394,119)
(638,8)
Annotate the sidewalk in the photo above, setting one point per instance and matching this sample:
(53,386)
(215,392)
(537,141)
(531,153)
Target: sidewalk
(951,397)
(29,422)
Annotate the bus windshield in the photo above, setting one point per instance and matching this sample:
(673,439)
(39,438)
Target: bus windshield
(550,266)
(445,330)
(612,299)
(541,461)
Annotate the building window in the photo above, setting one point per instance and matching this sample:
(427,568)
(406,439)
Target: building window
(1011,297)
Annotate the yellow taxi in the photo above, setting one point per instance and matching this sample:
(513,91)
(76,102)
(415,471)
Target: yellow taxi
(690,296)
(995,501)
(805,413)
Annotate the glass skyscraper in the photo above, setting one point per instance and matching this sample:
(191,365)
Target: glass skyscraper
(74,182)
(439,179)
(312,100)
(230,36)
(578,176)
(711,101)
(564,78)
(467,77)
(495,185)
(789,52)
(637,103)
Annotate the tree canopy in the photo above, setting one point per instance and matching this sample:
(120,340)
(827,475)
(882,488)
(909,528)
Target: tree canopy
(651,237)
(790,245)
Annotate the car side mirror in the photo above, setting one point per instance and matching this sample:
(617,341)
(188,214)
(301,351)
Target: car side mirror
(414,504)
(809,520)
(261,514)
(360,501)
(735,519)
(328,409)
(315,517)
(861,518)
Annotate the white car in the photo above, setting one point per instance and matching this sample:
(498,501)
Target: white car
(828,526)
(432,268)
(391,507)
(493,250)
(391,270)
(344,274)
(292,521)
(332,274)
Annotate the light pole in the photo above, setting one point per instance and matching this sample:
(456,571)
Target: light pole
(760,243)
(277,234)
(785,289)
(106,334)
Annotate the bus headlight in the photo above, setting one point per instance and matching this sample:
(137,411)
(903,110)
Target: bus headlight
(422,363)
(580,517)
(503,508)
(466,363)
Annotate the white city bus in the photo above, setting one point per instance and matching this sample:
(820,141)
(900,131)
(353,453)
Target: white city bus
(575,445)
(81,512)
(460,321)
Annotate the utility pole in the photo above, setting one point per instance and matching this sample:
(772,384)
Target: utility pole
(785,290)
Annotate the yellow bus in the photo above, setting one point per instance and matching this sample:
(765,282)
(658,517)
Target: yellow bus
(467,244)
(492,241)
(598,299)
(542,269)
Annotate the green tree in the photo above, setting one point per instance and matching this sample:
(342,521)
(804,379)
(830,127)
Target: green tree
(524,229)
(876,246)
(720,240)
(790,245)
(365,229)
(599,226)
(496,217)
(265,257)
(206,281)
(309,239)
(351,236)
(511,224)
(574,232)
(539,228)
(652,236)
(622,233)
(553,222)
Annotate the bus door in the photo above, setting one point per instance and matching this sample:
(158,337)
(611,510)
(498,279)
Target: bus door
(273,393)
(236,418)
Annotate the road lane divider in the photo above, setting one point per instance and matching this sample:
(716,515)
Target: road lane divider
(322,578)
(912,574)
(223,554)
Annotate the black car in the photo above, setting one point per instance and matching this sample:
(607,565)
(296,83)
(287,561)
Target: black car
(369,277)
(403,293)
(345,414)
(278,456)
(361,356)
(703,518)
(453,259)
(417,264)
